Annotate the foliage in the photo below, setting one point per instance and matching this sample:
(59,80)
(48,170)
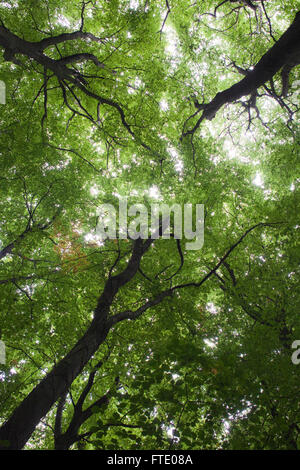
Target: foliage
(209,366)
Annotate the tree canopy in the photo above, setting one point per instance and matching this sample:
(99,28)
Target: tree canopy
(143,344)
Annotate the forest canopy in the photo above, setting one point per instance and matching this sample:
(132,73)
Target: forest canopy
(142,343)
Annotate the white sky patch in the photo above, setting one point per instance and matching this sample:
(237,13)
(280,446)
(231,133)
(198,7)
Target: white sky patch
(63,21)
(235,151)
(226,426)
(210,343)
(62,164)
(179,166)
(99,147)
(154,192)
(138,82)
(91,238)
(5,5)
(215,159)
(268,104)
(232,152)
(296,84)
(170,431)
(212,129)
(172,46)
(94,190)
(135,86)
(198,70)
(258,180)
(134,4)
(178,163)
(164,105)
(211,308)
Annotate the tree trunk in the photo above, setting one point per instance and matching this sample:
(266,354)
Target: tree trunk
(19,427)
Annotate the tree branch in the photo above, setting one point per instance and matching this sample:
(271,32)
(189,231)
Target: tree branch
(280,54)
